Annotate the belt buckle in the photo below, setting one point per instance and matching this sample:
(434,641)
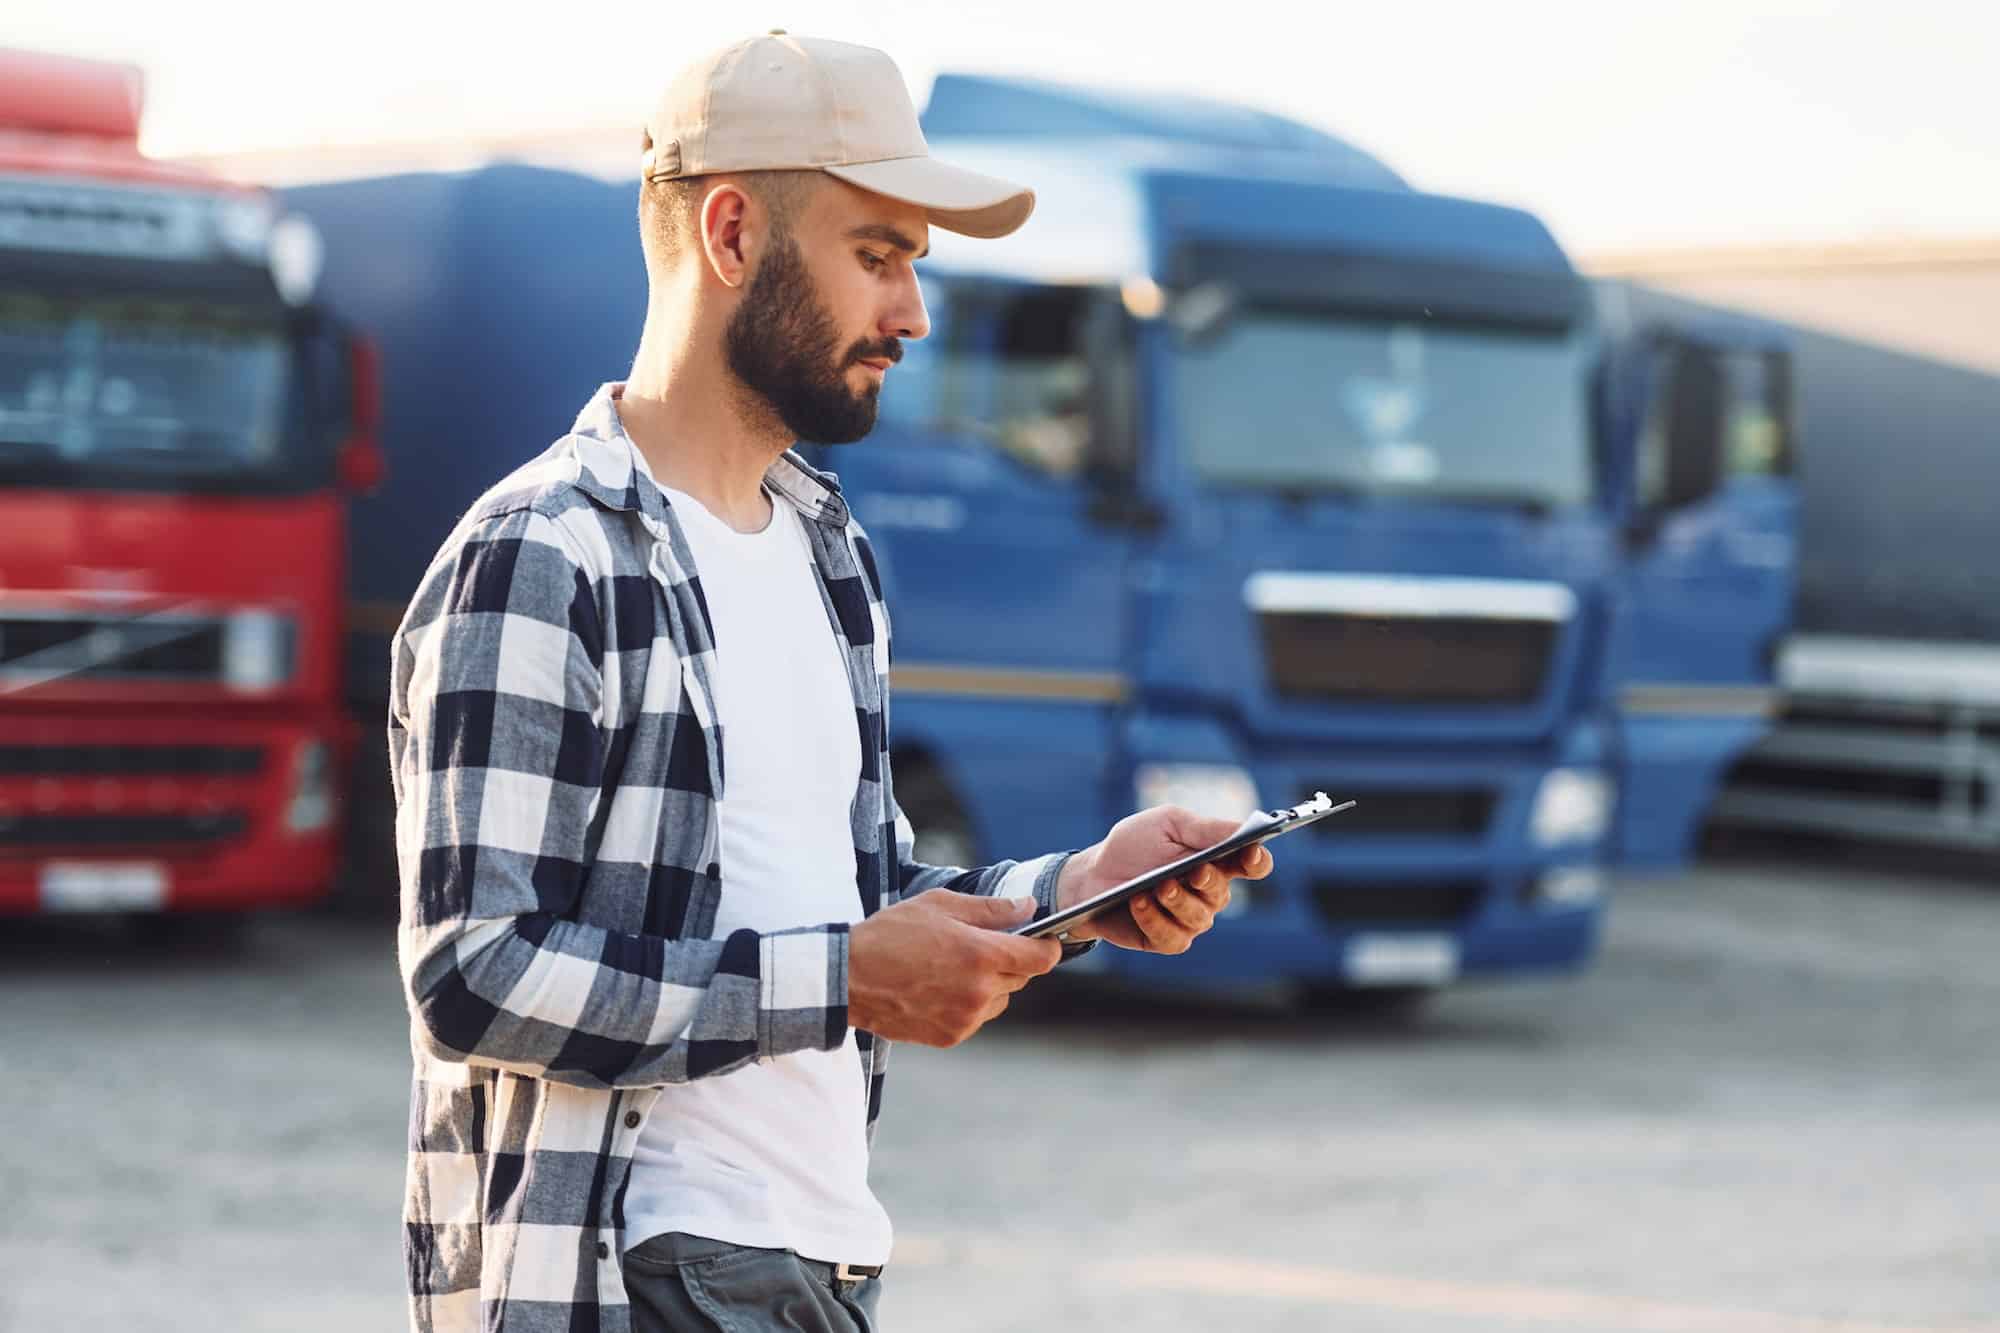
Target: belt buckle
(851,1273)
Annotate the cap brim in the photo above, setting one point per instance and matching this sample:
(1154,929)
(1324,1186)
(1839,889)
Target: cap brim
(966,202)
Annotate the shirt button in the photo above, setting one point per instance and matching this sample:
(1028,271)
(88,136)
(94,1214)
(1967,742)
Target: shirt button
(603,1250)
(631,1120)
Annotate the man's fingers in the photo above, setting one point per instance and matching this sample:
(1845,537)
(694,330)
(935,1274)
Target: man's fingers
(992,918)
(997,1008)
(990,913)
(1254,863)
(1024,958)
(1031,957)
(1210,881)
(1195,831)
(1251,863)
(1196,911)
(1164,934)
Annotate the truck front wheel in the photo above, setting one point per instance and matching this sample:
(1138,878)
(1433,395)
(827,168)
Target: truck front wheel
(365,886)
(944,835)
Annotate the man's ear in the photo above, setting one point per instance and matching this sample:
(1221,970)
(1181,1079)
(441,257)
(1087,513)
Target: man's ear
(722,230)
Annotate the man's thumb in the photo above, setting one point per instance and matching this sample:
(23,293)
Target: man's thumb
(992,912)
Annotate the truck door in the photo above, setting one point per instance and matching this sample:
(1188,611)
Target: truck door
(1006,580)
(1707,583)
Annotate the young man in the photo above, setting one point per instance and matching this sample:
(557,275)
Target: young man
(660,921)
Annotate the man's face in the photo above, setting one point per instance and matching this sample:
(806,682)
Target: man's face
(826,311)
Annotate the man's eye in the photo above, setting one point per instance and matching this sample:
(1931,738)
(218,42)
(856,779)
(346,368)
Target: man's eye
(871,261)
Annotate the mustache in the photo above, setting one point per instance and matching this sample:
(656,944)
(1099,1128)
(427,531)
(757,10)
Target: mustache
(888,349)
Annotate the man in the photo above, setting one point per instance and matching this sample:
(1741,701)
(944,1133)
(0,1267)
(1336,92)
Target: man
(660,920)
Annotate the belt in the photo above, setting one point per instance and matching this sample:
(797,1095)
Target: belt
(827,1272)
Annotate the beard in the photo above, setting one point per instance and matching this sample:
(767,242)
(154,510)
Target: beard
(782,344)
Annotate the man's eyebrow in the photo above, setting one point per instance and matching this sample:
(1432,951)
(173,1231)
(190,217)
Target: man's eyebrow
(888,235)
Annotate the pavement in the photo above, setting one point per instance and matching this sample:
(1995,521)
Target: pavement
(1773,1105)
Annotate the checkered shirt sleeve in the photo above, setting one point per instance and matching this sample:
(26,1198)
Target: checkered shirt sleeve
(499,742)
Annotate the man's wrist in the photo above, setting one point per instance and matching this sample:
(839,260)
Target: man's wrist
(1070,884)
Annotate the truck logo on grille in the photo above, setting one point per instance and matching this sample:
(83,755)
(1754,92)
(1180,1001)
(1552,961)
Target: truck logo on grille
(92,645)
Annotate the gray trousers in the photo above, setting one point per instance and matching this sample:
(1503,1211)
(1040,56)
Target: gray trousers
(685,1284)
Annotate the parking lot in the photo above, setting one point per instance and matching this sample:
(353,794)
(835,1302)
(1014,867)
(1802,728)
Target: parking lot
(1770,1107)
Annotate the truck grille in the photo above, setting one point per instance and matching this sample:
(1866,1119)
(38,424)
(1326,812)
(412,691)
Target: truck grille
(1395,659)
(150,647)
(1421,902)
(118,761)
(36,832)
(1408,812)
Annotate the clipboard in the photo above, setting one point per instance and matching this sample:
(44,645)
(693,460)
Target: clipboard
(1260,827)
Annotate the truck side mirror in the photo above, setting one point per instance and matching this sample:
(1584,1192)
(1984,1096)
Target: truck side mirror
(1695,409)
(1111,458)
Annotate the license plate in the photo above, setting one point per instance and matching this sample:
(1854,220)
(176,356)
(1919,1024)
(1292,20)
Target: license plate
(103,886)
(1402,960)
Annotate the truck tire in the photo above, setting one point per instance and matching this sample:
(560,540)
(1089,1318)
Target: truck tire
(944,831)
(365,887)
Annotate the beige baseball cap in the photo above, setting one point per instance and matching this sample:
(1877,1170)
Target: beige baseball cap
(779,102)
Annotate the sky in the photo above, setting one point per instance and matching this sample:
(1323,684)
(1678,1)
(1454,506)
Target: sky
(1625,126)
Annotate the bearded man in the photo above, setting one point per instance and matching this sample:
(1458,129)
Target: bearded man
(660,919)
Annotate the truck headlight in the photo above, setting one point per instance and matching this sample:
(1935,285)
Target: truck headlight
(256,650)
(1572,805)
(1220,790)
(297,256)
(312,789)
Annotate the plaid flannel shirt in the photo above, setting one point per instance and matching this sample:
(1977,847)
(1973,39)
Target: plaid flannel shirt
(557,767)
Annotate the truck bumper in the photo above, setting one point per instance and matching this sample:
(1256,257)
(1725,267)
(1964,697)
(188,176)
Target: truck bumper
(188,813)
(1260,947)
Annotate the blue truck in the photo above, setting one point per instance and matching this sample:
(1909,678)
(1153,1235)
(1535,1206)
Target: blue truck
(1877,483)
(1245,471)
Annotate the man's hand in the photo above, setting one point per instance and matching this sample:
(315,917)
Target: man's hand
(936,968)
(1166,919)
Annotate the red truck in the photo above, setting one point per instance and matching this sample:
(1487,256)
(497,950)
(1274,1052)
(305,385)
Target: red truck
(181,426)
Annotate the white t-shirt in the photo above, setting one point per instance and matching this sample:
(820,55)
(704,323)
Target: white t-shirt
(775,1154)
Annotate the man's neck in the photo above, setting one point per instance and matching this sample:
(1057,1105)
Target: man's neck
(702,433)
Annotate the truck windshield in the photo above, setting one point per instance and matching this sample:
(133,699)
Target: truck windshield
(1304,402)
(144,393)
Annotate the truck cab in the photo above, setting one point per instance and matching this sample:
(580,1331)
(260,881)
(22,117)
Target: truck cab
(178,423)
(1246,471)
(1699,417)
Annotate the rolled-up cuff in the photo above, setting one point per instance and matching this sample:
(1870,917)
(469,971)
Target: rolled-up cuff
(804,990)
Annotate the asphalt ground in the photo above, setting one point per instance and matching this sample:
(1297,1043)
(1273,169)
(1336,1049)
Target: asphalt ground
(1772,1106)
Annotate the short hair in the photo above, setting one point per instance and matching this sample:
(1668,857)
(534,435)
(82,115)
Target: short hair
(669,208)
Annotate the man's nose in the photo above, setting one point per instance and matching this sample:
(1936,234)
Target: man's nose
(908,318)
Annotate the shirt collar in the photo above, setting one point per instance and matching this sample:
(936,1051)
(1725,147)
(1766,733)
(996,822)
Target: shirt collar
(612,471)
